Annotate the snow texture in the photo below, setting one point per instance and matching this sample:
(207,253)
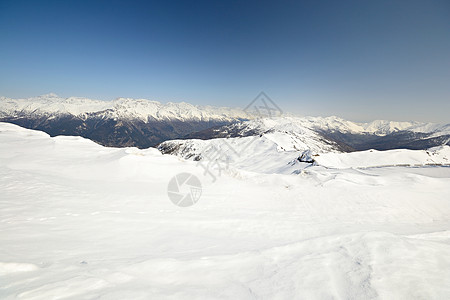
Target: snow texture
(82,221)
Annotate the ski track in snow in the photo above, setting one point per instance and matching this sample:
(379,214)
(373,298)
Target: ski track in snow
(81,221)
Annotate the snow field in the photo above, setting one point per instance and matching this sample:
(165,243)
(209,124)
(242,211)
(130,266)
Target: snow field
(81,221)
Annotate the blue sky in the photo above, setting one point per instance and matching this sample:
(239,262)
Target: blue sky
(361,60)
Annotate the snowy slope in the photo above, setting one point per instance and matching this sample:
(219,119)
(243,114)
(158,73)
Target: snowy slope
(265,145)
(81,221)
(257,154)
(271,154)
(275,146)
(374,158)
(344,135)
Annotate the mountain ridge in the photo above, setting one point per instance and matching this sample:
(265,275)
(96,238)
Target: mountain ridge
(143,123)
(143,109)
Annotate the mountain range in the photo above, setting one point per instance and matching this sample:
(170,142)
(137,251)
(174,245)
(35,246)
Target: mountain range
(119,123)
(143,123)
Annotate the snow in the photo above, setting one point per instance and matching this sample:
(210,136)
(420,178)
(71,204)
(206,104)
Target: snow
(82,221)
(273,152)
(282,142)
(256,154)
(373,158)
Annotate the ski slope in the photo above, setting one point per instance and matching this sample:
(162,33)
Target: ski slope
(82,221)
(282,153)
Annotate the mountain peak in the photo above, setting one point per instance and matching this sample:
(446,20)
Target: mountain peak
(49,95)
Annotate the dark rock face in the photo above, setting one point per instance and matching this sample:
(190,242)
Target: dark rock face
(111,132)
(224,131)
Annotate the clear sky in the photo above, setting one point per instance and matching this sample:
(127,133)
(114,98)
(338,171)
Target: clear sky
(360,60)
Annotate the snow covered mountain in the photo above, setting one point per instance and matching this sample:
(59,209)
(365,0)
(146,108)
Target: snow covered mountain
(52,105)
(381,134)
(267,144)
(144,123)
(345,135)
(83,221)
(377,127)
(119,123)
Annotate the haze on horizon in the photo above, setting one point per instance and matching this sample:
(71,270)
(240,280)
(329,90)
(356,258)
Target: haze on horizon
(357,60)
